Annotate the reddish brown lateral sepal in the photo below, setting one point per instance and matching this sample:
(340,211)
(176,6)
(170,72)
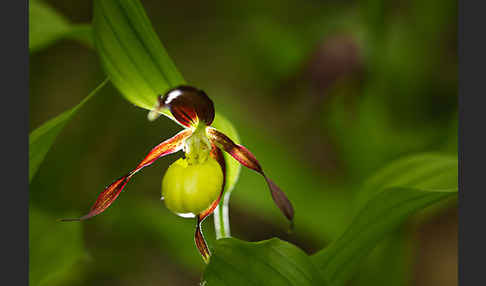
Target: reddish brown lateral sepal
(109,195)
(280,199)
(201,242)
(188,105)
(247,159)
(169,146)
(217,155)
(198,236)
(105,199)
(239,152)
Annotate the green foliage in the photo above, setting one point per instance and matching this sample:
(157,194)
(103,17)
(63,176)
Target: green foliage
(131,52)
(269,262)
(54,249)
(423,171)
(41,32)
(391,260)
(393,194)
(381,215)
(42,138)
(46,26)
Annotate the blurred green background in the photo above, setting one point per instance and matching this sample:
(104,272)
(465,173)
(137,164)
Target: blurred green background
(324,93)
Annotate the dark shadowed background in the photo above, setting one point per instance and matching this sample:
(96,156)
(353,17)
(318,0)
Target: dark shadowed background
(324,93)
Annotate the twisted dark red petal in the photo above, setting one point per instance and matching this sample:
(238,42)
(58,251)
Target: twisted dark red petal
(109,195)
(247,159)
(201,244)
(188,105)
(216,154)
(280,199)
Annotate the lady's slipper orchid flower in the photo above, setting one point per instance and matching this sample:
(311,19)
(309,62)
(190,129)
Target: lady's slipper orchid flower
(192,186)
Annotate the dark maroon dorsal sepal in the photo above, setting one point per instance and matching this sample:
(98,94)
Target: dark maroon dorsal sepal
(188,105)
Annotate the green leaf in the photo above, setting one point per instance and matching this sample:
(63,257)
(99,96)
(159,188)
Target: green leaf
(391,260)
(380,216)
(131,52)
(387,199)
(42,138)
(54,249)
(46,26)
(423,171)
(270,262)
(392,255)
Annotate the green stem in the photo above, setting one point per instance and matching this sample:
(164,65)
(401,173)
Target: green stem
(221,217)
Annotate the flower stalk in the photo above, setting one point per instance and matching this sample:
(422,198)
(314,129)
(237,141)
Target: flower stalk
(221,217)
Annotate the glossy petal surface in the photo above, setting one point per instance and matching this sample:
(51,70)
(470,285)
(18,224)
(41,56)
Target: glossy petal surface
(188,105)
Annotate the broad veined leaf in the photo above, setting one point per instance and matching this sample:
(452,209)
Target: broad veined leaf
(392,255)
(387,199)
(54,249)
(423,171)
(42,138)
(138,64)
(131,52)
(381,215)
(46,26)
(270,262)
(391,261)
